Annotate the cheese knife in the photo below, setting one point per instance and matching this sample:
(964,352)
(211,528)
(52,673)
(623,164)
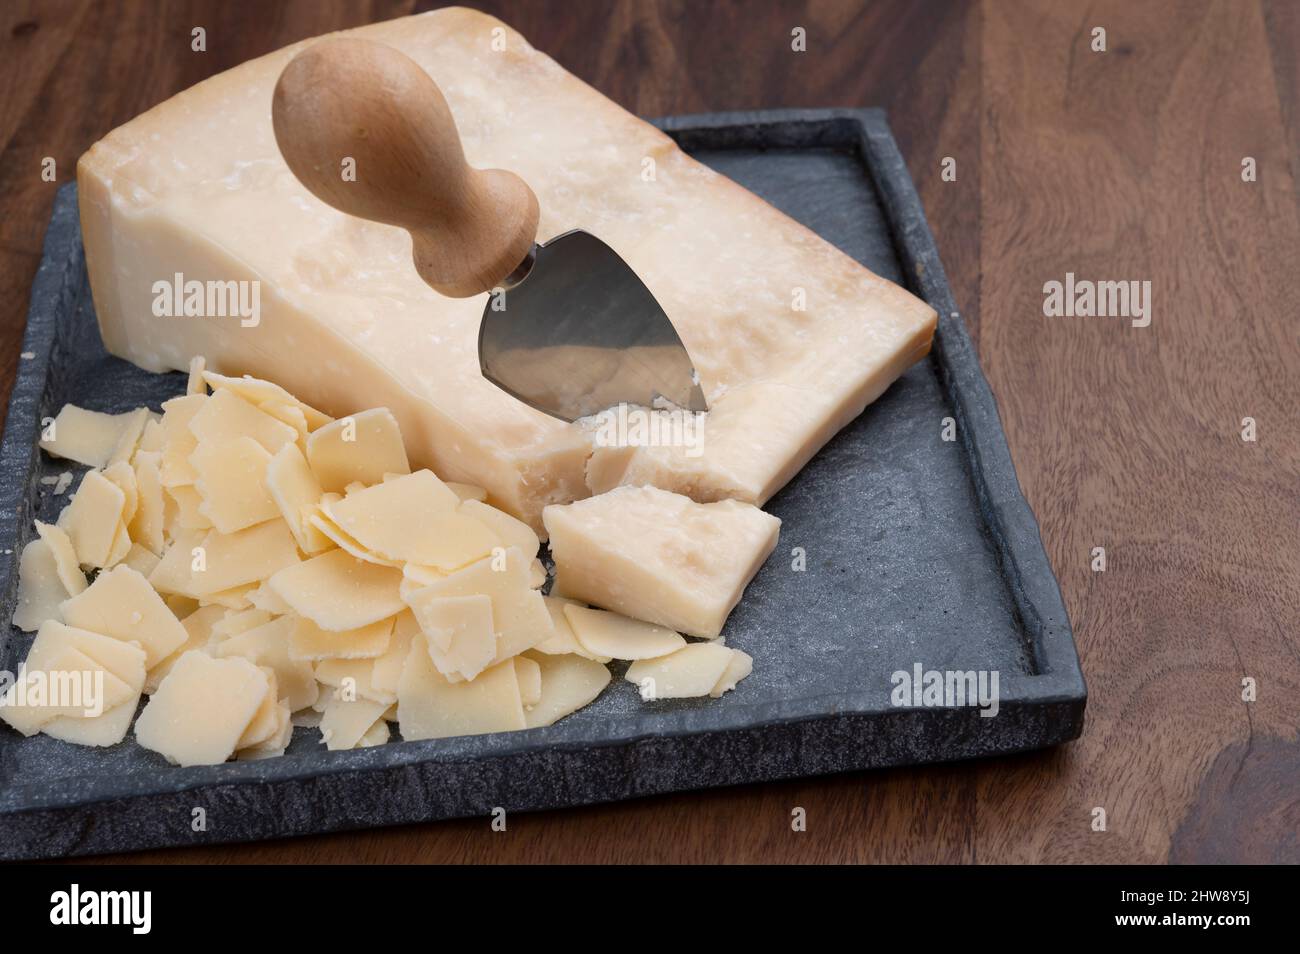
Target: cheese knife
(568,327)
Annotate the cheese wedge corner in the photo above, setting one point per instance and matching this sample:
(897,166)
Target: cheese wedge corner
(658,556)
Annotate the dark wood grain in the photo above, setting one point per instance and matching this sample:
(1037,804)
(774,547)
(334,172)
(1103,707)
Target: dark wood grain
(1115,165)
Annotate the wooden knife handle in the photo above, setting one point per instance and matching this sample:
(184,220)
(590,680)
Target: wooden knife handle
(345,99)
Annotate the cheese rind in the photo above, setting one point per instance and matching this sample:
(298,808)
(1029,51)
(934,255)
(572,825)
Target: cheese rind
(197,186)
(660,557)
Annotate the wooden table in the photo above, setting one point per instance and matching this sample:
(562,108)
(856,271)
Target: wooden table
(1123,164)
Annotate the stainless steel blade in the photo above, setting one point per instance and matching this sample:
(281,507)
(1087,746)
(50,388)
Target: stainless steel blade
(581,333)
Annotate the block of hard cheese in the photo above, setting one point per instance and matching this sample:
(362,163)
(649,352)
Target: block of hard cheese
(196,187)
(659,556)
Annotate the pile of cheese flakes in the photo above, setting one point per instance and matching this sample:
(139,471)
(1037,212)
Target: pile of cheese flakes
(259,565)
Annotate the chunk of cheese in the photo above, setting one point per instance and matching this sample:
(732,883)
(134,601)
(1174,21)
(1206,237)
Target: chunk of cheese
(529,674)
(266,721)
(519,613)
(360,447)
(195,383)
(377,734)
(568,683)
(268,396)
(201,709)
(88,437)
(264,598)
(430,707)
(122,604)
(40,591)
(413,518)
(248,556)
(309,641)
(345,723)
(123,659)
(321,523)
(232,482)
(268,645)
(387,669)
(93,518)
(226,416)
(602,633)
(564,641)
(338,592)
(740,666)
(163,194)
(141,559)
(693,671)
(61,653)
(103,730)
(174,574)
(275,744)
(120,473)
(65,557)
(198,634)
(660,557)
(234,622)
(235,598)
(178,440)
(294,488)
(132,431)
(146,526)
(189,507)
(352,679)
(151,437)
(63,687)
(459,630)
(509,530)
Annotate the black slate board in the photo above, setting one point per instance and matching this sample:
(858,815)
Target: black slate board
(917,551)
